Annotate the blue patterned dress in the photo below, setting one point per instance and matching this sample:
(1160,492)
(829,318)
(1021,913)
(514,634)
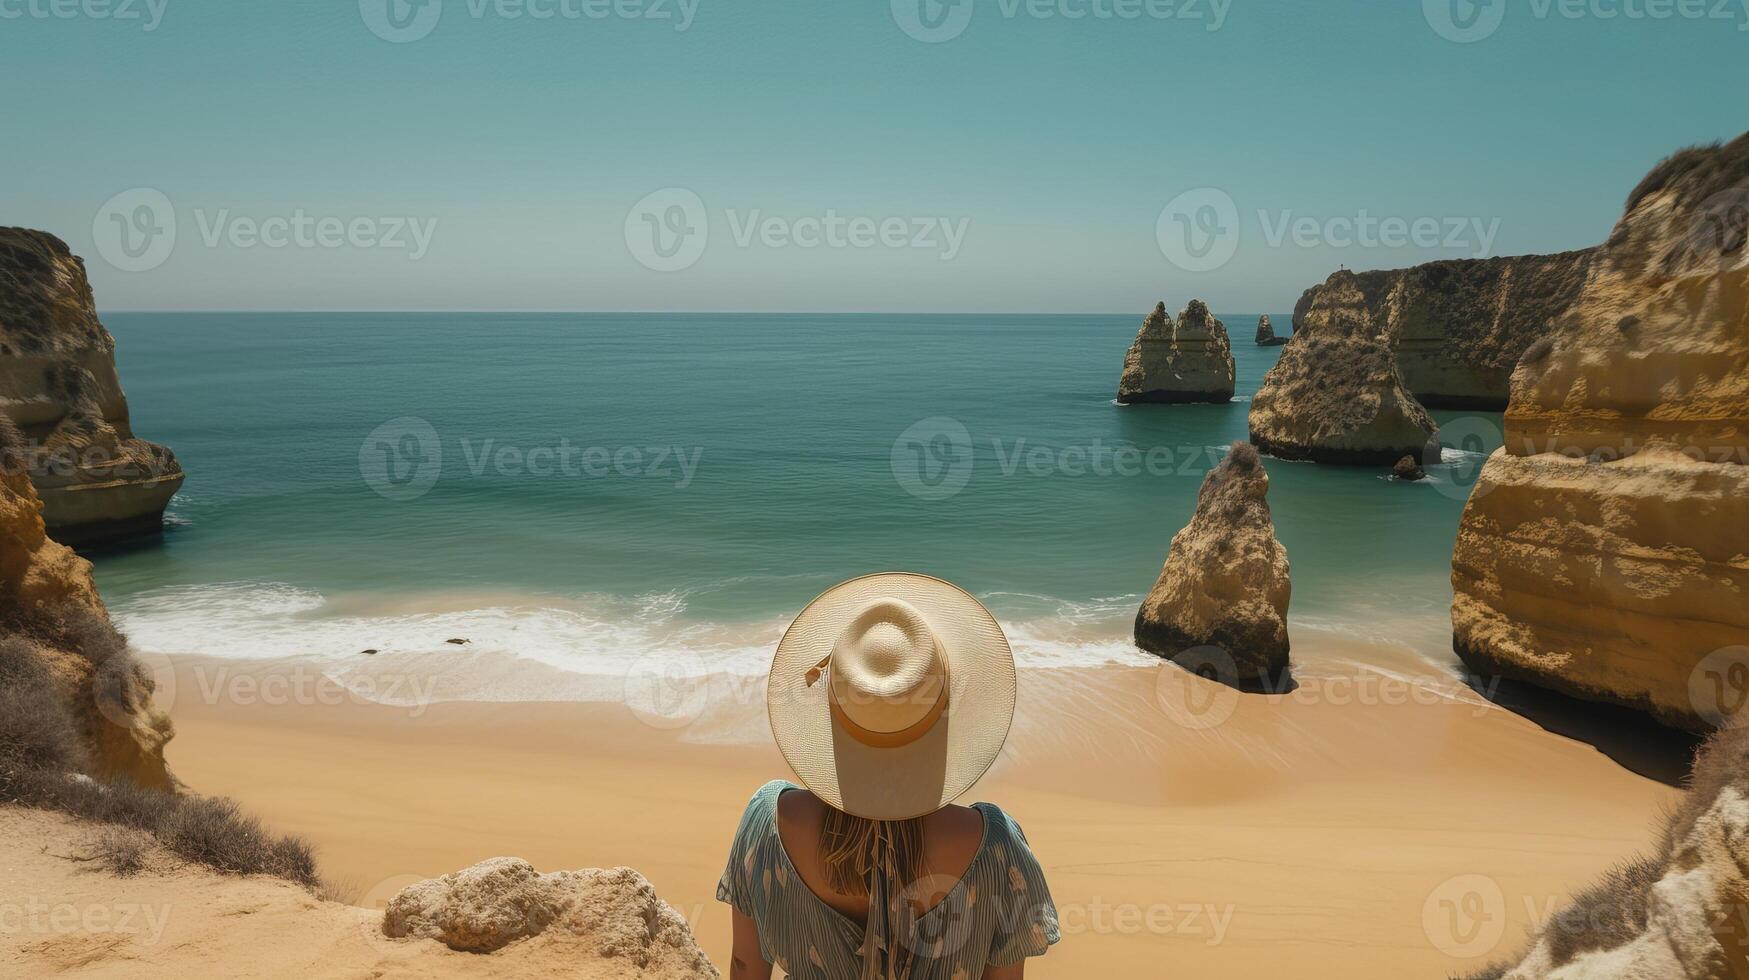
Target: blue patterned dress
(998,913)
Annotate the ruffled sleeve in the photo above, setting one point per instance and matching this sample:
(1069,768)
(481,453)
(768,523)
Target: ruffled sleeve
(1029,917)
(741,880)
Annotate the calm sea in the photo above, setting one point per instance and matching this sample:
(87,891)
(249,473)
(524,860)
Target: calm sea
(580,489)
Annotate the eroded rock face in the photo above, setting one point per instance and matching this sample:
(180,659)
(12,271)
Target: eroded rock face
(1685,902)
(1336,395)
(1225,582)
(608,914)
(1266,333)
(47,598)
(1187,361)
(1458,327)
(58,383)
(1604,551)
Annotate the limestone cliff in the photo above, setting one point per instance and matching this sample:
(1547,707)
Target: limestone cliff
(1225,583)
(1459,326)
(1187,361)
(1604,551)
(58,383)
(1266,333)
(1336,395)
(48,601)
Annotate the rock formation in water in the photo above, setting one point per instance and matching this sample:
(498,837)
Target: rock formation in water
(601,914)
(1225,582)
(1408,469)
(1458,327)
(1266,333)
(58,383)
(1604,551)
(1676,914)
(1187,361)
(1336,395)
(51,615)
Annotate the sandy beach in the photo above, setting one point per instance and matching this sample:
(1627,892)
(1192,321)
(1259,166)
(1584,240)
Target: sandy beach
(1372,823)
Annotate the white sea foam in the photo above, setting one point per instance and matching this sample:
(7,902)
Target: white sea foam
(589,648)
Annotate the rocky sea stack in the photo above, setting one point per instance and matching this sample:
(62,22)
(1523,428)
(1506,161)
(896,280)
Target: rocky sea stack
(1336,395)
(1458,327)
(1603,549)
(1174,363)
(1266,333)
(1225,583)
(58,385)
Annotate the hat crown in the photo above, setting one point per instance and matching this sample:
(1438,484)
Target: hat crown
(889,671)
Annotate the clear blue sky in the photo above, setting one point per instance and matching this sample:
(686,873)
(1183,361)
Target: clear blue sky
(1057,142)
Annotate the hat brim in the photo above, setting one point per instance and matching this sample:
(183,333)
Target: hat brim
(915,779)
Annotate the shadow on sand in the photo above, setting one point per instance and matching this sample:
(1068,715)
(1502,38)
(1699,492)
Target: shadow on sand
(1632,739)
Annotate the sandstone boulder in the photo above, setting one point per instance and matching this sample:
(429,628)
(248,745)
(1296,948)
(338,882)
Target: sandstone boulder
(1266,333)
(1409,470)
(1187,361)
(1336,395)
(58,383)
(1603,550)
(1225,581)
(598,914)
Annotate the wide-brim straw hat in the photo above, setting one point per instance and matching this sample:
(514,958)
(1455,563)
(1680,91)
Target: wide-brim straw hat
(891,694)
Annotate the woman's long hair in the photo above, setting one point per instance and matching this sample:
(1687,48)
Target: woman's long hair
(881,860)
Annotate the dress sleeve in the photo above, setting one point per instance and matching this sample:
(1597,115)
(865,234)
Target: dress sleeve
(1029,917)
(737,885)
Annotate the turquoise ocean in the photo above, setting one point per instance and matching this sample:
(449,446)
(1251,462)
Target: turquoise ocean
(583,490)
